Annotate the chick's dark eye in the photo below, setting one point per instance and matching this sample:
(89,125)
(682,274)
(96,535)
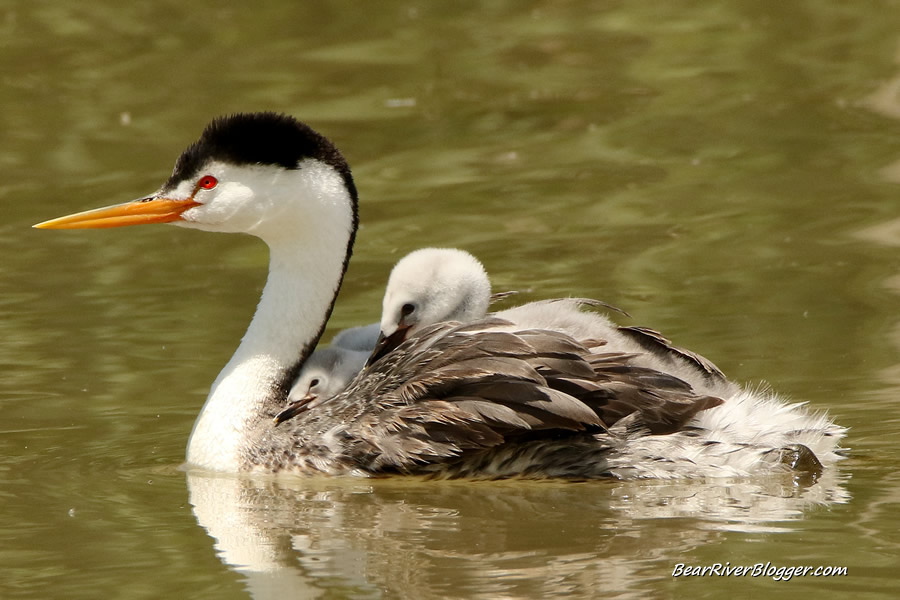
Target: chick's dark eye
(407,309)
(207,182)
(313,383)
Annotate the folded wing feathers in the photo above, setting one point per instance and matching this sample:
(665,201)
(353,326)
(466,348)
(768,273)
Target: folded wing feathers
(456,395)
(425,432)
(654,342)
(498,415)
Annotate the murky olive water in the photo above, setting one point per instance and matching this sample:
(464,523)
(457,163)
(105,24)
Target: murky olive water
(727,172)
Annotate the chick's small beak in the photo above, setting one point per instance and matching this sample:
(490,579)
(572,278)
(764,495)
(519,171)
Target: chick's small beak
(295,408)
(386,344)
(152,209)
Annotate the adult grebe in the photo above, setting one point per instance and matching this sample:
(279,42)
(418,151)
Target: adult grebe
(500,397)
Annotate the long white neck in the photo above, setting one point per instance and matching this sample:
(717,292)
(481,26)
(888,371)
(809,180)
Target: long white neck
(306,264)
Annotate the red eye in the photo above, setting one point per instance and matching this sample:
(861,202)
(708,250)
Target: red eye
(207,182)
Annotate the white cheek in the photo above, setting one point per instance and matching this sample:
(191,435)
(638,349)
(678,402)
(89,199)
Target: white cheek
(227,204)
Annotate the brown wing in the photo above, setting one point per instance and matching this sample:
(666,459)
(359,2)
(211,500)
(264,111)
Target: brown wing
(454,390)
(654,342)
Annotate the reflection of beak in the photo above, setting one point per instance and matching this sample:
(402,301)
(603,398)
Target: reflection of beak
(385,344)
(294,409)
(152,209)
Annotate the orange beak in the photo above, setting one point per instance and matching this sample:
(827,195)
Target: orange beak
(139,212)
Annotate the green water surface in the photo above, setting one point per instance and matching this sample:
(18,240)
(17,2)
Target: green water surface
(727,172)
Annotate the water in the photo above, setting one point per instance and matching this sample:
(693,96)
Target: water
(726,172)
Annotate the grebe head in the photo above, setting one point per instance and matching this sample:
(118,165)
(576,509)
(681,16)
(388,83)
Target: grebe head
(327,372)
(429,286)
(247,173)
(432,285)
